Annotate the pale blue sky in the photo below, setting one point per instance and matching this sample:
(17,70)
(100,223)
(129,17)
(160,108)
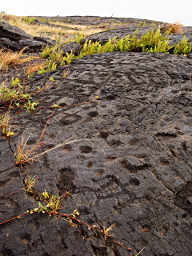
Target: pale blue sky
(162,10)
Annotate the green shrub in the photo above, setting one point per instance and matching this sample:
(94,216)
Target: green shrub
(78,37)
(90,48)
(151,41)
(12,93)
(28,20)
(183,47)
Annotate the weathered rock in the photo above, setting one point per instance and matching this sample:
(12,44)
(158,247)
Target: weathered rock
(131,166)
(15,39)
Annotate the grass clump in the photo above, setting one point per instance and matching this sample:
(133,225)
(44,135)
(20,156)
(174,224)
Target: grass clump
(28,20)
(183,46)
(24,153)
(151,41)
(54,56)
(31,69)
(79,37)
(90,48)
(29,183)
(6,128)
(30,105)
(11,59)
(13,93)
(173,28)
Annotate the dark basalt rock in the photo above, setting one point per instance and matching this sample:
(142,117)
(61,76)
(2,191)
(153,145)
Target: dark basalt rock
(15,39)
(130,166)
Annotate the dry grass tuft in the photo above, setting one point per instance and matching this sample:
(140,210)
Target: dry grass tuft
(51,29)
(24,153)
(5,127)
(30,69)
(173,28)
(10,59)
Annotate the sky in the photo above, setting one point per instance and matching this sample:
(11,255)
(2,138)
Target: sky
(158,10)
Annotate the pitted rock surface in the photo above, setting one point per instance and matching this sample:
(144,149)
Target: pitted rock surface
(129,165)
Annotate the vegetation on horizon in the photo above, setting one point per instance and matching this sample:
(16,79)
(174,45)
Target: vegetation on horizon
(152,41)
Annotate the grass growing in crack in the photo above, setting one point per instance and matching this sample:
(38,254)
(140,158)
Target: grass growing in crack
(183,46)
(13,93)
(29,183)
(30,105)
(54,55)
(79,37)
(26,154)
(17,95)
(6,128)
(52,203)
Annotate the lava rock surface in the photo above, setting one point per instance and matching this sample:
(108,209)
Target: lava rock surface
(15,39)
(128,116)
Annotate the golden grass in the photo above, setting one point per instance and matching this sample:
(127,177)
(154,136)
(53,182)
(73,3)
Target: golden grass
(87,30)
(5,127)
(32,68)
(10,59)
(173,28)
(24,154)
(50,31)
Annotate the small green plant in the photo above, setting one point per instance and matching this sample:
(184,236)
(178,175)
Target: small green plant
(29,183)
(12,93)
(79,37)
(65,74)
(55,106)
(49,67)
(48,204)
(183,46)
(15,82)
(142,24)
(28,20)
(54,56)
(89,48)
(51,79)
(67,58)
(53,53)
(30,105)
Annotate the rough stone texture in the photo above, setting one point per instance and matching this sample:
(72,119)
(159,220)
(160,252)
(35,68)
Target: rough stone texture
(131,165)
(15,39)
